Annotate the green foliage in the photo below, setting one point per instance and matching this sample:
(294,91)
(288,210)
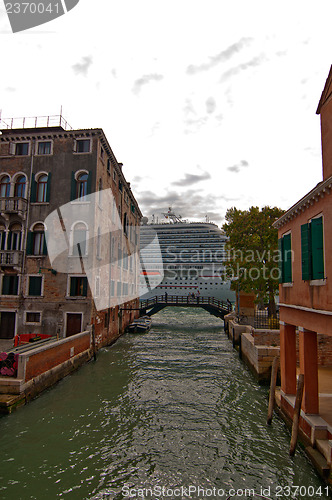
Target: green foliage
(253,250)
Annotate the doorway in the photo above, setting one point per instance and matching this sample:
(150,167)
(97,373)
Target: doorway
(74,324)
(7,324)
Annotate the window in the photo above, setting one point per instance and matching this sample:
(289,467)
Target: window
(22,148)
(83,146)
(285,258)
(312,250)
(41,188)
(108,166)
(19,190)
(80,186)
(78,286)
(45,148)
(36,241)
(10,285)
(79,238)
(5,186)
(35,286)
(32,317)
(14,237)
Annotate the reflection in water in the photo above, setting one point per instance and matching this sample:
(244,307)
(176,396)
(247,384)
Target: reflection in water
(174,408)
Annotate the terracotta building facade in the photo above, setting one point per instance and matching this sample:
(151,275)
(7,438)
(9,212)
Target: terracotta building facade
(305,243)
(42,170)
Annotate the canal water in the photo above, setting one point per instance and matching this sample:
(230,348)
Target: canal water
(169,414)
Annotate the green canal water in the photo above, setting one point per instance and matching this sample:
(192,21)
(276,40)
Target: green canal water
(170,414)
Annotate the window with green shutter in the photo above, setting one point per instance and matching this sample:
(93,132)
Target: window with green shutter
(312,250)
(78,286)
(35,286)
(9,285)
(285,260)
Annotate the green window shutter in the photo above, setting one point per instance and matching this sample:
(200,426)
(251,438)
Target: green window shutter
(5,285)
(29,249)
(73,287)
(73,187)
(280,261)
(35,285)
(89,182)
(15,285)
(287,258)
(33,194)
(317,248)
(85,287)
(48,187)
(44,245)
(306,252)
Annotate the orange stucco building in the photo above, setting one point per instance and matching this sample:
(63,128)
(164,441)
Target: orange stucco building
(305,243)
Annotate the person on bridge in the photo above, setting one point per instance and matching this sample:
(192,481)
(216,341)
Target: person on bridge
(166,296)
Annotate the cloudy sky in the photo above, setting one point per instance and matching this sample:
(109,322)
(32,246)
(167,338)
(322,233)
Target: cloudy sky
(208,104)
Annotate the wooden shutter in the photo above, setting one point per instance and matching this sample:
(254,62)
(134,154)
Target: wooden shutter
(85,287)
(44,245)
(48,187)
(287,258)
(72,292)
(306,252)
(5,285)
(33,193)
(280,261)
(29,249)
(89,182)
(317,248)
(73,187)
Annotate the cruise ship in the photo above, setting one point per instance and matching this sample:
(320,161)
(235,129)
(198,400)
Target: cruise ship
(182,258)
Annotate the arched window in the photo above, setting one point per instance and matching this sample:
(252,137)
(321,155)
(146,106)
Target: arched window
(82,186)
(42,188)
(20,186)
(38,247)
(14,237)
(5,186)
(79,237)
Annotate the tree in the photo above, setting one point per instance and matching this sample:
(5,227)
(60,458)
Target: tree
(253,255)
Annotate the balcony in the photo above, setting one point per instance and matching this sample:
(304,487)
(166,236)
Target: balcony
(11,258)
(14,205)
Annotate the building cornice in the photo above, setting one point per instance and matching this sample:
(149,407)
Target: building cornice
(308,200)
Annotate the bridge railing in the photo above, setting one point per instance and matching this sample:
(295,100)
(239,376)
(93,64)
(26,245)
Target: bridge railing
(178,300)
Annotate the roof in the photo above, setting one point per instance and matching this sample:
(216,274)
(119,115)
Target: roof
(312,197)
(327,91)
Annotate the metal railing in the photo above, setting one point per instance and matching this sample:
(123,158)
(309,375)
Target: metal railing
(11,258)
(34,122)
(178,300)
(263,320)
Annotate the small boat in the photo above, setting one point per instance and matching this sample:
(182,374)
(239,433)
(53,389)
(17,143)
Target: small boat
(140,325)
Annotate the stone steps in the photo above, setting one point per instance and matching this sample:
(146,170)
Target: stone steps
(325,448)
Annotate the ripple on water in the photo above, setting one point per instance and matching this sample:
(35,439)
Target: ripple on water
(171,408)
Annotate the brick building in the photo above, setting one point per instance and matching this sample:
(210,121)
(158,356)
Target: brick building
(44,167)
(305,238)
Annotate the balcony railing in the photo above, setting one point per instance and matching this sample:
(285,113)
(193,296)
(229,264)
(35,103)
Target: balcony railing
(11,258)
(15,205)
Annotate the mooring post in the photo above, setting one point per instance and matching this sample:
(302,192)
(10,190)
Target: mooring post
(296,416)
(93,342)
(274,373)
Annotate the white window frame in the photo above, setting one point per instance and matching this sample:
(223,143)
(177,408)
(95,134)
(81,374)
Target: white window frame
(40,142)
(82,139)
(26,322)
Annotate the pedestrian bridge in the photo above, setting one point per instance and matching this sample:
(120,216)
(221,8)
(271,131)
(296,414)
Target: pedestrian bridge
(214,306)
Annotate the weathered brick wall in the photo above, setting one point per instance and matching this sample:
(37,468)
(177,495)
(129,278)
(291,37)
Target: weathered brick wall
(266,337)
(44,360)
